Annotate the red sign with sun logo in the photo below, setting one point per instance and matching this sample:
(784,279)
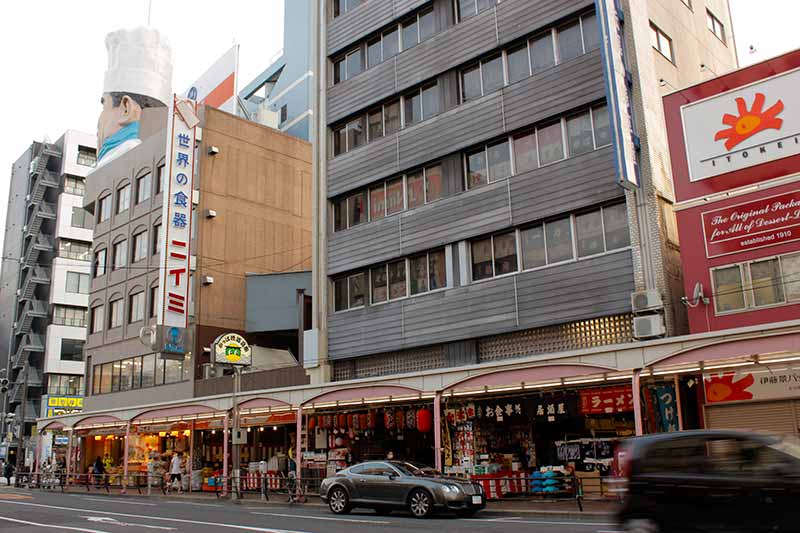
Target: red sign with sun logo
(749,121)
(728,388)
(759,384)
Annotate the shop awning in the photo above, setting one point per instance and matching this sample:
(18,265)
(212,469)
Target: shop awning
(183,413)
(366,395)
(534,377)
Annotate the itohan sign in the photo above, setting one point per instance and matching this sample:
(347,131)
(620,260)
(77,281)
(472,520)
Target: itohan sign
(743,128)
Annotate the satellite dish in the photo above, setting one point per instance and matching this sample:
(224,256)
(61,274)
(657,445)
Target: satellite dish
(698,292)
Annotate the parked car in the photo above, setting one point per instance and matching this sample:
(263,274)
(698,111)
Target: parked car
(393,485)
(708,480)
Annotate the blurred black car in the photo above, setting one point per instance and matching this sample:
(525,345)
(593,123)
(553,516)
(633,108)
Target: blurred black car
(727,481)
(392,485)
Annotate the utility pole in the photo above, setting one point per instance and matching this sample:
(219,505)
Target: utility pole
(21,422)
(236,440)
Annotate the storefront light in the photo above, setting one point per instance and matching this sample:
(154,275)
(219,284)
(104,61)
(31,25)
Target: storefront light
(351,402)
(618,378)
(213,431)
(468,392)
(541,385)
(729,365)
(505,389)
(248,430)
(676,371)
(98,437)
(781,360)
(578,381)
(187,432)
(374,400)
(261,428)
(274,428)
(162,433)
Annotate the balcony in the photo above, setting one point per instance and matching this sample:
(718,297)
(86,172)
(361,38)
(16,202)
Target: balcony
(40,212)
(35,246)
(35,276)
(32,309)
(31,342)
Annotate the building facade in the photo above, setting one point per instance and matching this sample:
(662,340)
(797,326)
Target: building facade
(45,278)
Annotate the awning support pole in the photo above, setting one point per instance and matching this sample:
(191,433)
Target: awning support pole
(225,456)
(125,459)
(298,456)
(437,430)
(678,405)
(637,401)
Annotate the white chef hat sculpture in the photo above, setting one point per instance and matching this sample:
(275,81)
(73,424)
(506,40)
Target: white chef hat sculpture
(139,75)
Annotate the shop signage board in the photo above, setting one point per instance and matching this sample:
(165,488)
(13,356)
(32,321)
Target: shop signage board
(64,405)
(742,128)
(231,349)
(173,311)
(608,400)
(751,225)
(552,407)
(761,384)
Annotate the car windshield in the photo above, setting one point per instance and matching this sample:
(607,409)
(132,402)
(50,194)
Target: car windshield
(789,447)
(414,469)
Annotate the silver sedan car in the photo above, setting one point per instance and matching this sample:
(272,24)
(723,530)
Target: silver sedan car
(394,485)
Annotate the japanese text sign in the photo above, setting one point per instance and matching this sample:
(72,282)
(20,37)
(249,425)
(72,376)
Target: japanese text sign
(177,214)
(607,401)
(761,384)
(751,225)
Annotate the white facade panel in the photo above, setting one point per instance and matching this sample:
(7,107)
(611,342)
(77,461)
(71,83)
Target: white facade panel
(58,289)
(65,229)
(73,139)
(52,360)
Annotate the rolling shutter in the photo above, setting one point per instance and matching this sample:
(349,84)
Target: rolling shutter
(777,417)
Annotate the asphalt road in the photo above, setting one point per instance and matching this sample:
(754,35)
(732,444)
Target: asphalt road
(34,512)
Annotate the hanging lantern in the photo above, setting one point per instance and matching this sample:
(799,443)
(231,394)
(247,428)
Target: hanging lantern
(400,419)
(424,420)
(350,419)
(388,418)
(312,423)
(411,419)
(371,419)
(343,421)
(328,422)
(362,421)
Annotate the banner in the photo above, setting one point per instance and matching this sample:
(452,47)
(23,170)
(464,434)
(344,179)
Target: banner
(217,86)
(667,407)
(608,400)
(760,384)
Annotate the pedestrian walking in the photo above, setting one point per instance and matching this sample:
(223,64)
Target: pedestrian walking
(8,471)
(98,470)
(175,471)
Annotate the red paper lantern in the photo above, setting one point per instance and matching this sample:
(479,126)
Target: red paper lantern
(400,419)
(350,419)
(342,422)
(328,421)
(371,419)
(424,420)
(312,423)
(388,418)
(362,421)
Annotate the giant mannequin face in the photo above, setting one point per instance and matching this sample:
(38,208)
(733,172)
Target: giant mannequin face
(112,119)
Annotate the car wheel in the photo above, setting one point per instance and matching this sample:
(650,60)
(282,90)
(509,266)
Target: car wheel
(420,503)
(383,511)
(466,513)
(641,525)
(338,501)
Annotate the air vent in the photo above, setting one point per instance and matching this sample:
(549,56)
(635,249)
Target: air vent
(648,327)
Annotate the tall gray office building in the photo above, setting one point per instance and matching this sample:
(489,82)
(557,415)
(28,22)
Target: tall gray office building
(487,188)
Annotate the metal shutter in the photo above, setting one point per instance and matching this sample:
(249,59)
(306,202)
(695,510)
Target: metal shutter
(776,416)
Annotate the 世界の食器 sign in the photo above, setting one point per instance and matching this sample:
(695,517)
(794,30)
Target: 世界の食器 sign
(231,349)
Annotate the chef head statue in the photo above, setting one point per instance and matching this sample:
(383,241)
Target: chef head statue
(139,76)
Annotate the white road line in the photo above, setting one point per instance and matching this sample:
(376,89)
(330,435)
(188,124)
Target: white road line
(51,526)
(159,518)
(197,503)
(327,518)
(577,523)
(112,500)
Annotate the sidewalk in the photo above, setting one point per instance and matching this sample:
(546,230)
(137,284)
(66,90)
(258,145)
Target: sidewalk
(592,509)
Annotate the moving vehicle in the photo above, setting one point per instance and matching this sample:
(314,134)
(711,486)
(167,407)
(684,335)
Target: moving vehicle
(393,485)
(710,480)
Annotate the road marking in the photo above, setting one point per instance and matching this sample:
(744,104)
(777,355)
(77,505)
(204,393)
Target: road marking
(159,518)
(51,526)
(198,503)
(13,496)
(540,522)
(114,522)
(327,518)
(112,500)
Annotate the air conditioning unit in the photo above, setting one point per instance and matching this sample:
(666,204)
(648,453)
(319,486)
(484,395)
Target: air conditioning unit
(211,371)
(649,300)
(648,327)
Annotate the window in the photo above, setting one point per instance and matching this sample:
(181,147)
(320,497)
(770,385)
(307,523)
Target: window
(391,43)
(136,307)
(437,270)
(71,350)
(542,53)
(410,34)
(579,134)
(340,215)
(661,42)
(430,101)
(74,185)
(413,108)
(143,185)
(471,83)
(340,7)
(589,233)
(78,217)
(421,104)
(106,371)
(356,133)
(602,126)
(550,144)
(519,64)
(427,25)
(715,26)
(416,189)
(347,67)
(418,274)
(477,174)
(533,248)
(790,269)
(391,117)
(119,254)
(357,209)
(766,282)
(499,158)
(284,113)
(433,183)
(73,250)
(96,314)
(139,246)
(148,370)
(558,235)
(492,74)
(123,198)
(115,313)
(173,371)
(615,227)
(494,256)
(64,385)
(591,32)
(64,315)
(356,290)
(377,202)
(126,375)
(87,156)
(397,279)
(570,44)
(380,284)
(77,283)
(525,155)
(160,363)
(728,288)
(104,208)
(116,376)
(156,238)
(160,178)
(153,302)
(349,292)
(394,196)
(374,52)
(470,8)
(375,124)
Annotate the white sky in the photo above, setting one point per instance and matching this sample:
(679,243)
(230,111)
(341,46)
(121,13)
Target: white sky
(54,54)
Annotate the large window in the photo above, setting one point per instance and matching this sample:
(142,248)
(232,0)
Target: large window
(490,163)
(78,217)
(119,254)
(74,185)
(421,104)
(73,250)
(87,156)
(153,302)
(157,238)
(761,283)
(715,26)
(71,350)
(123,198)
(661,42)
(340,7)
(347,66)
(115,313)
(65,315)
(469,8)
(100,262)
(143,186)
(97,320)
(104,208)
(139,246)
(136,373)
(494,256)
(77,283)
(136,307)
(64,385)
(349,292)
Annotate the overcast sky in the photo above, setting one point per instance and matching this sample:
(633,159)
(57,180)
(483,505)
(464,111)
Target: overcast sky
(54,54)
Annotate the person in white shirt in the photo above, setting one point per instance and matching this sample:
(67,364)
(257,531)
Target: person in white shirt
(175,471)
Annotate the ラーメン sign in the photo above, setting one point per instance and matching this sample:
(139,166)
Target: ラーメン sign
(232,349)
